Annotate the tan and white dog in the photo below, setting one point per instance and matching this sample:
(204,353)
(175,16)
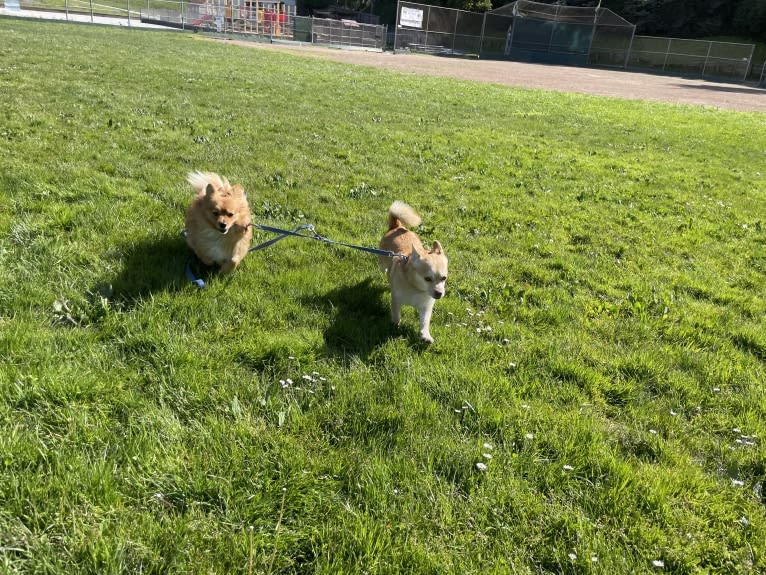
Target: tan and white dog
(420,279)
(218,221)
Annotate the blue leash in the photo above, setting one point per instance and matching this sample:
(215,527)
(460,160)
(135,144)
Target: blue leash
(316,236)
(199,282)
(296,232)
(282,235)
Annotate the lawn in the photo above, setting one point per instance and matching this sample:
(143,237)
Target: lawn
(601,348)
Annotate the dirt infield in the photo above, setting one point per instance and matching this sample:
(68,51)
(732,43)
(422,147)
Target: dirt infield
(615,83)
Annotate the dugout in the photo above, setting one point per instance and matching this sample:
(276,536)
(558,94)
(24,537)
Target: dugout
(556,34)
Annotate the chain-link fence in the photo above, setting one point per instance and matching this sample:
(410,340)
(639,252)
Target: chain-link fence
(111,8)
(342,33)
(692,57)
(531,31)
(521,30)
(566,34)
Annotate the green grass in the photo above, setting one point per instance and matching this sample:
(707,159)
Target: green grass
(603,331)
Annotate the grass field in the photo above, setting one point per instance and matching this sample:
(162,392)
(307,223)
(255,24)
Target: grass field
(601,349)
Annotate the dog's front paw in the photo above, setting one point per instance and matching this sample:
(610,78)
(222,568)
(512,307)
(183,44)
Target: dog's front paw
(426,337)
(228,266)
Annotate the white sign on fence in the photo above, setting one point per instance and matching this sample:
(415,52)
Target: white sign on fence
(411,17)
(12,5)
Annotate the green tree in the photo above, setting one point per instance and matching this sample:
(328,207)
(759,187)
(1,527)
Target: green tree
(750,19)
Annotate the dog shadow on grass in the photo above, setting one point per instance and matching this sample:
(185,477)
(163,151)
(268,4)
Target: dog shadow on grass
(361,320)
(152,265)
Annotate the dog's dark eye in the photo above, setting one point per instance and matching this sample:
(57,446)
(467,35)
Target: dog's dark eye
(216,213)
(429,279)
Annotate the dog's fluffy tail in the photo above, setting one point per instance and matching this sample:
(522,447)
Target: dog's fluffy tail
(200,180)
(400,213)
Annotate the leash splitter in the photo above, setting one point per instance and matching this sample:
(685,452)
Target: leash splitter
(296,232)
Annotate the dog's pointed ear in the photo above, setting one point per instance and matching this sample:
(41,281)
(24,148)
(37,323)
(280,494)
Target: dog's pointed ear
(414,254)
(436,248)
(209,190)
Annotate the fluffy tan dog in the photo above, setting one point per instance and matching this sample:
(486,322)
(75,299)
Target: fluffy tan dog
(218,221)
(420,279)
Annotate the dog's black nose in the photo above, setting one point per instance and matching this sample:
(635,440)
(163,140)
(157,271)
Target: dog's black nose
(438,294)
(222,225)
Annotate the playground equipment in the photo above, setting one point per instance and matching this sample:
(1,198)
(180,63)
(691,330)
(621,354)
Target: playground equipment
(262,17)
(267,19)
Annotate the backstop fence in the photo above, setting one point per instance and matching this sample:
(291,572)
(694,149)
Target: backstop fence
(536,32)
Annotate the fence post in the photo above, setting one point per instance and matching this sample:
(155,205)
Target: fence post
(481,38)
(183,16)
(763,74)
(128,13)
(91,11)
(396,21)
(749,63)
(630,47)
(553,28)
(428,19)
(66,8)
(704,66)
(509,41)
(592,34)
(454,31)
(667,53)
